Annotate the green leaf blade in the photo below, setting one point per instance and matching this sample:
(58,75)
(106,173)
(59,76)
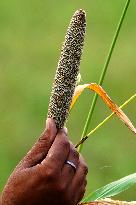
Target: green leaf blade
(112,189)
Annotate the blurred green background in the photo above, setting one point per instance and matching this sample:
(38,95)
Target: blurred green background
(31,35)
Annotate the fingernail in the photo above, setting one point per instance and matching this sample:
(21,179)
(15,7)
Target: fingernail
(48,124)
(65,130)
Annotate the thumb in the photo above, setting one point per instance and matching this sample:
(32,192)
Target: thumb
(42,146)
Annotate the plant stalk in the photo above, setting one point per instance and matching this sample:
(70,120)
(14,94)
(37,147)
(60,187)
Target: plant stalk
(90,114)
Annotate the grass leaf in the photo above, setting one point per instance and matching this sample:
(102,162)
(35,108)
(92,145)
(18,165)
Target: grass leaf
(112,189)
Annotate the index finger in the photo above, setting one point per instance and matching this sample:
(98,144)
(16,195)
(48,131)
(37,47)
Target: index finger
(58,152)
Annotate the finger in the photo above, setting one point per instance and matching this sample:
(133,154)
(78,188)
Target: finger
(58,153)
(42,146)
(68,171)
(80,175)
(80,193)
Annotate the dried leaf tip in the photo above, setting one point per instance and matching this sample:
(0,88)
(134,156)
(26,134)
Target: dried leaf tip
(68,69)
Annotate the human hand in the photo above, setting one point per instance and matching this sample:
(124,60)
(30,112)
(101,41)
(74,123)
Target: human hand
(43,177)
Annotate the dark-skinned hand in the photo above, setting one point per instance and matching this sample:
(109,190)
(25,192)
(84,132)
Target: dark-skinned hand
(43,177)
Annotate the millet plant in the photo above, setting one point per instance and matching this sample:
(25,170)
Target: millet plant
(65,93)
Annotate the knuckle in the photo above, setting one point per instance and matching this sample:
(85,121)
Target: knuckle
(75,153)
(85,168)
(39,172)
(65,144)
(83,165)
(44,136)
(44,141)
(48,175)
(51,174)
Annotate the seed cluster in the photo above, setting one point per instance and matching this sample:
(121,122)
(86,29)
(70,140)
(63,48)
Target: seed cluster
(67,70)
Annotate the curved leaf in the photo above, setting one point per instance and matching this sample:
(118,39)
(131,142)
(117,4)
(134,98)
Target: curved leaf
(101,92)
(112,189)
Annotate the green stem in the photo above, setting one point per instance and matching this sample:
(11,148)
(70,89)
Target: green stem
(90,114)
(104,121)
